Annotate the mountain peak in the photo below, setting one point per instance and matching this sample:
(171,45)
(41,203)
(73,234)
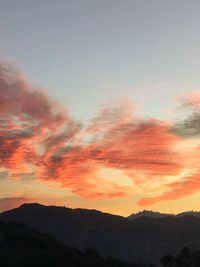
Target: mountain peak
(148,213)
(31,205)
(189,213)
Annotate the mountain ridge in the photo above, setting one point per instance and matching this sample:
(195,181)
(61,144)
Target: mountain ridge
(156,214)
(143,239)
(143,213)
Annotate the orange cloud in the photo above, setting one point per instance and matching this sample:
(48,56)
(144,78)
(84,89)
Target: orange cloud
(178,190)
(38,135)
(27,118)
(128,144)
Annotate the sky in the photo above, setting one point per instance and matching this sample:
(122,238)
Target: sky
(100,104)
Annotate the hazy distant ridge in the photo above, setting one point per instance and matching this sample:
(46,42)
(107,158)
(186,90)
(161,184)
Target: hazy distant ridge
(157,215)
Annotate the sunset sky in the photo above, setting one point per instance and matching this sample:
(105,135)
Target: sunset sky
(100,104)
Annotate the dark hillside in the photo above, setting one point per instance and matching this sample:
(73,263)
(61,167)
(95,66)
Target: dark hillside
(144,239)
(21,246)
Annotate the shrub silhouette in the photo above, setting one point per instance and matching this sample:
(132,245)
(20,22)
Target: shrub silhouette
(187,257)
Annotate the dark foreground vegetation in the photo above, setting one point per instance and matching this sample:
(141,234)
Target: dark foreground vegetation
(186,258)
(21,246)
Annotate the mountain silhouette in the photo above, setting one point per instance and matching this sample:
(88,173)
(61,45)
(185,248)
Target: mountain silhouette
(144,239)
(147,213)
(156,215)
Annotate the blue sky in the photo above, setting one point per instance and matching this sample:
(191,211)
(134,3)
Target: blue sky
(89,52)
